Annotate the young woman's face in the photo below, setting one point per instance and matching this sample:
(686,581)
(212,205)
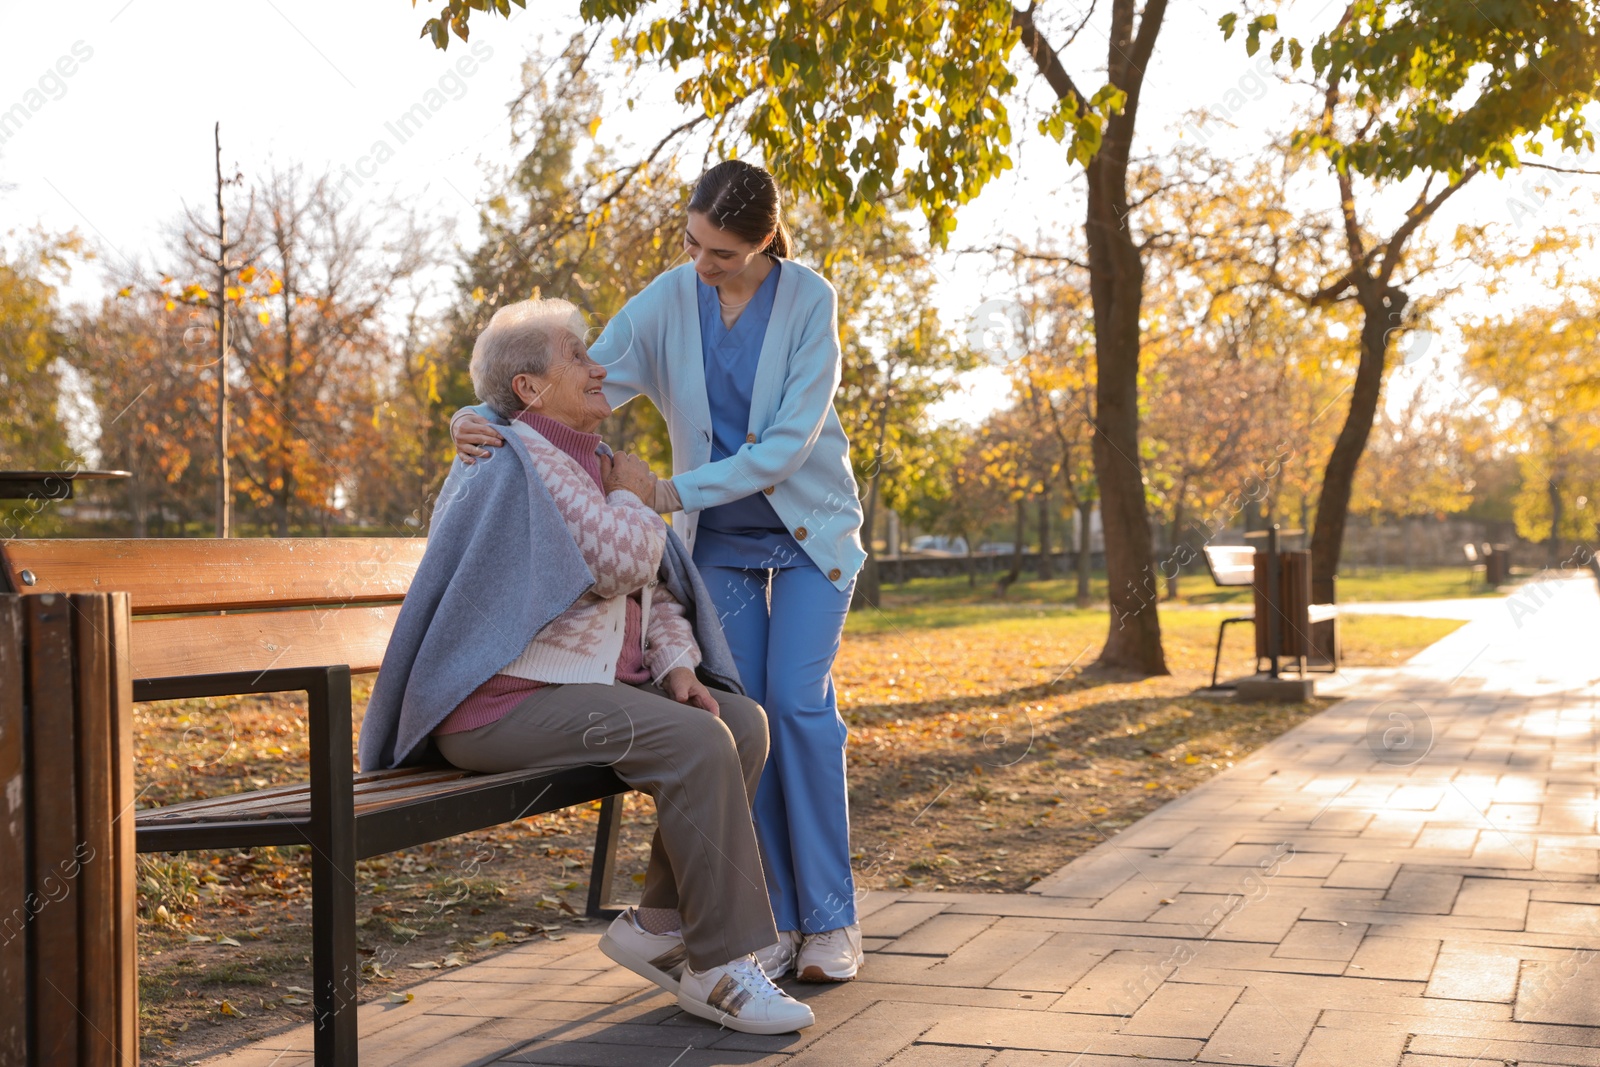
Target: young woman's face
(717,254)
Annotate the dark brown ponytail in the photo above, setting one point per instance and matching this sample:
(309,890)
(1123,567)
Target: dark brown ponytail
(743,199)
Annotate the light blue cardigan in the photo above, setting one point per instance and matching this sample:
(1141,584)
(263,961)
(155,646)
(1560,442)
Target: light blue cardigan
(796,450)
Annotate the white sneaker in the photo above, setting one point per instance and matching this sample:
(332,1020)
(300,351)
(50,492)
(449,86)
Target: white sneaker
(740,996)
(831,956)
(658,957)
(777,959)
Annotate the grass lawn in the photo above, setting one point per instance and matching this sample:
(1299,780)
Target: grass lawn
(1355,585)
(983,756)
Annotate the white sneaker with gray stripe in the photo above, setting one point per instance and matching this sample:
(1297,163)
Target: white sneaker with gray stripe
(658,957)
(740,996)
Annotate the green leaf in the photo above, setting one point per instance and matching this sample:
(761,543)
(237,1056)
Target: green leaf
(1227,23)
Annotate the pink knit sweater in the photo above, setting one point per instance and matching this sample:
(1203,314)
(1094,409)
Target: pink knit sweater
(613,633)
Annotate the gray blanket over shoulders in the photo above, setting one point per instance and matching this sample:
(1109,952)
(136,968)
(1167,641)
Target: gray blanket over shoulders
(499,567)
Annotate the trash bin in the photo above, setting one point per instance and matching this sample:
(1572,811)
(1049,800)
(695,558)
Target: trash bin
(1497,565)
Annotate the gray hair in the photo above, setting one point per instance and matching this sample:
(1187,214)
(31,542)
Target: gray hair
(520,339)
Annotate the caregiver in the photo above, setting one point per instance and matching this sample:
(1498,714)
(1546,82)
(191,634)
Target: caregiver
(739,349)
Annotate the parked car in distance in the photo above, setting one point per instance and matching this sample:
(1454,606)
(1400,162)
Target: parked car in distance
(934,545)
(997,548)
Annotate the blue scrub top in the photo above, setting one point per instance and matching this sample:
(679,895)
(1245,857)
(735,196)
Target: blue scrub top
(746,532)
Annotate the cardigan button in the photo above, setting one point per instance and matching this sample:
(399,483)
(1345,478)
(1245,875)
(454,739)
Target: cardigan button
(833,575)
(750,438)
(800,534)
(768,490)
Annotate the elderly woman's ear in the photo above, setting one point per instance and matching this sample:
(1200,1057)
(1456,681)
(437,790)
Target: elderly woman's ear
(529,390)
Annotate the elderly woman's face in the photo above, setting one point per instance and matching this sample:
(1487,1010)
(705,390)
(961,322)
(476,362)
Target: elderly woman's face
(570,389)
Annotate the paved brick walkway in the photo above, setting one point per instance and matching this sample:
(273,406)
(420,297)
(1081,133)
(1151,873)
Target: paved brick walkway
(1409,879)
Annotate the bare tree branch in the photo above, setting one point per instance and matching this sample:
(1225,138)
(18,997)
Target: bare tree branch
(1558,170)
(1045,58)
(1419,213)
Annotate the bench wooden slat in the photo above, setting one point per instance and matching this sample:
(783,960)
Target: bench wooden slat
(210,644)
(170,575)
(391,798)
(481,801)
(392,819)
(51,746)
(97,713)
(1230,564)
(292,801)
(14,933)
(222,833)
(369,779)
(126,1028)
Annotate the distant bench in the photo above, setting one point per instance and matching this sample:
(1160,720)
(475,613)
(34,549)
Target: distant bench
(1311,631)
(244,616)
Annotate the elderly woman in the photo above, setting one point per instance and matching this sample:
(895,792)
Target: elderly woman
(554,622)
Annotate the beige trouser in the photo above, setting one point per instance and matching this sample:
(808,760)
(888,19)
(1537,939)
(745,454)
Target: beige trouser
(702,771)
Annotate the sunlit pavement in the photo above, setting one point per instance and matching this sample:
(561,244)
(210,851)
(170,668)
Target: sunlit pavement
(1408,879)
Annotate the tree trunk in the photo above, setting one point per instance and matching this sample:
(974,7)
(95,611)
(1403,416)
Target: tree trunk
(1047,565)
(1010,577)
(1381,315)
(224,479)
(1116,285)
(138,492)
(1085,558)
(1553,543)
(285,412)
(869,589)
(1134,639)
(1177,533)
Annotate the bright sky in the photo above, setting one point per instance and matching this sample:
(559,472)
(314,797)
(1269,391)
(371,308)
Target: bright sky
(117,100)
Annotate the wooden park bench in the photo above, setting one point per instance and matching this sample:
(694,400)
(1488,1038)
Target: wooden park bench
(245,616)
(1311,631)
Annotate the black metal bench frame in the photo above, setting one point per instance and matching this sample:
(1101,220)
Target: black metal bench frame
(339,834)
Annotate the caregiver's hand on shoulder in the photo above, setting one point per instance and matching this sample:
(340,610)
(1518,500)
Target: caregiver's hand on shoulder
(474,435)
(682,685)
(630,473)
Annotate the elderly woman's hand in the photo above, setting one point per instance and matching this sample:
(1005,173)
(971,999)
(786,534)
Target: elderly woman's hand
(622,471)
(474,435)
(682,685)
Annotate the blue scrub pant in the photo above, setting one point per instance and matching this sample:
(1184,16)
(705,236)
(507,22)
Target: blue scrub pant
(784,627)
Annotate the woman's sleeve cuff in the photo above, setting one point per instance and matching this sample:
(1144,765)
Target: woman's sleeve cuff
(667,500)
